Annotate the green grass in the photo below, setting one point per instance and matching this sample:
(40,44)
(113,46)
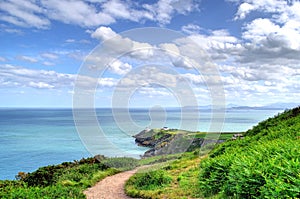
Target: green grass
(264,164)
(220,136)
(66,180)
(121,163)
(181,171)
(159,159)
(158,133)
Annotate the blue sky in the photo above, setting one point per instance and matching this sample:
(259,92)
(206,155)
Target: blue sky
(253,45)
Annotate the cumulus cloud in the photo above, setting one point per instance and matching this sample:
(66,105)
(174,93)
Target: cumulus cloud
(103,33)
(119,67)
(244,9)
(115,44)
(275,38)
(270,6)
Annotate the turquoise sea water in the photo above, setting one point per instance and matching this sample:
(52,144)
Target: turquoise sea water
(31,138)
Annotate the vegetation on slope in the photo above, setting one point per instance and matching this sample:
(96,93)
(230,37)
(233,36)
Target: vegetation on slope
(264,164)
(66,180)
(173,179)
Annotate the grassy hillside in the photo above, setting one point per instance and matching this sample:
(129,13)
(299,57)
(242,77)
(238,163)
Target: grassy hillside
(66,180)
(264,164)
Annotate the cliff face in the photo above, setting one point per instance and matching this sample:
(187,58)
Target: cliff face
(151,138)
(168,141)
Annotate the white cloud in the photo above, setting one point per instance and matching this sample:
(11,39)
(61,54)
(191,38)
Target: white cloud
(164,10)
(259,29)
(191,29)
(242,78)
(70,40)
(270,6)
(103,33)
(142,51)
(28,59)
(40,85)
(275,36)
(50,55)
(117,9)
(244,9)
(14,76)
(148,76)
(2,59)
(107,82)
(154,92)
(39,14)
(13,30)
(77,12)
(46,63)
(119,67)
(195,79)
(23,13)
(216,40)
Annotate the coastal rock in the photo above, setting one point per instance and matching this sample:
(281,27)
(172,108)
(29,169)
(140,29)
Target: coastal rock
(170,141)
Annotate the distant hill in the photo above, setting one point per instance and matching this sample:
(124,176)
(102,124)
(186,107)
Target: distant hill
(274,106)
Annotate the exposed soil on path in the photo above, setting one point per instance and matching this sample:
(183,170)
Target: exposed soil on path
(111,187)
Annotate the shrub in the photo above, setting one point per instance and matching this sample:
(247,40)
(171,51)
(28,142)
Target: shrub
(150,180)
(122,163)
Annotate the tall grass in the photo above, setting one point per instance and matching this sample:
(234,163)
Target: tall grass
(266,164)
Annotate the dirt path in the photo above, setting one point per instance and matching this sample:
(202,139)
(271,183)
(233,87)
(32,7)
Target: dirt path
(111,187)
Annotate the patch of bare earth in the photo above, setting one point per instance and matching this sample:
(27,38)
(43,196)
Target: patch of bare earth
(111,187)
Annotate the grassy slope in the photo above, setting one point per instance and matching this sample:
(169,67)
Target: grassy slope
(183,172)
(265,164)
(67,180)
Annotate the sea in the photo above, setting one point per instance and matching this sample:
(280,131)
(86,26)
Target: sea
(32,137)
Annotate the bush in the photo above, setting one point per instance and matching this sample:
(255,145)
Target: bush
(66,180)
(122,163)
(150,180)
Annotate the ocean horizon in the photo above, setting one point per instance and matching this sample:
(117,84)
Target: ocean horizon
(34,137)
